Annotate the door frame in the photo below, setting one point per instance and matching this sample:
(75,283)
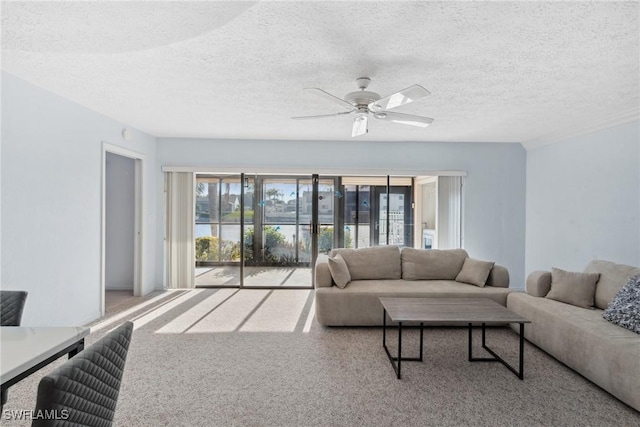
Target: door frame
(138,248)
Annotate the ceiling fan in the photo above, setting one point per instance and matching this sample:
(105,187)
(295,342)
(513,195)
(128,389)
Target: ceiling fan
(362,103)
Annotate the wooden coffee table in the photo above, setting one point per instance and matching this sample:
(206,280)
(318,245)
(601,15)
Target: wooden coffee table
(453,311)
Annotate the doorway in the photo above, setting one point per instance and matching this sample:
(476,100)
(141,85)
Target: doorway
(121,227)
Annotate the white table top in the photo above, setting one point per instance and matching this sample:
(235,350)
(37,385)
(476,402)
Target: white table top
(22,347)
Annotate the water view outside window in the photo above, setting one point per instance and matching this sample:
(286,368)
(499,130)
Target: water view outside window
(217,228)
(275,230)
(280,207)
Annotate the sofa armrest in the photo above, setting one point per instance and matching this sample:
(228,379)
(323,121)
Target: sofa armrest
(322,273)
(498,277)
(539,283)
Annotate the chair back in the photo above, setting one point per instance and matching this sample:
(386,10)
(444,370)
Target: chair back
(11,307)
(84,391)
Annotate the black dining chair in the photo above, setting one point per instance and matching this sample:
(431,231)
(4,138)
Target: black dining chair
(11,308)
(84,391)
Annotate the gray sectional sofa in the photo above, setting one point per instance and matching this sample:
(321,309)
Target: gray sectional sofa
(386,271)
(581,338)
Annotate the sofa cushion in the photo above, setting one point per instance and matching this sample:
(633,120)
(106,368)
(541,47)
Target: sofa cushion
(612,277)
(379,262)
(573,288)
(624,310)
(475,272)
(339,271)
(435,264)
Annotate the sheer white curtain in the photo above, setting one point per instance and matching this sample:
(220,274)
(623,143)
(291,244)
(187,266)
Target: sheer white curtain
(180,238)
(449,212)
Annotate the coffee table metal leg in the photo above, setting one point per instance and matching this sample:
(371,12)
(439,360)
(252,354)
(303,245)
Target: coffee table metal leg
(384,327)
(421,340)
(392,360)
(399,349)
(396,362)
(521,376)
(470,343)
(519,373)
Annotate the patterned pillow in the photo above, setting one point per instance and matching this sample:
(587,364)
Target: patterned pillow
(624,310)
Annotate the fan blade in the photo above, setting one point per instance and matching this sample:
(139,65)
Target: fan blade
(329,97)
(360,126)
(405,96)
(405,119)
(321,116)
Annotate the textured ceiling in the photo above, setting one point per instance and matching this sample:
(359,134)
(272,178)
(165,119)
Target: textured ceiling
(499,72)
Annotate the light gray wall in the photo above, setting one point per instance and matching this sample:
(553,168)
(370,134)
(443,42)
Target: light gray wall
(583,200)
(51,202)
(494,208)
(120,199)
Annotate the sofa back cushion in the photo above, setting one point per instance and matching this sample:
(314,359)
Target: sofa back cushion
(434,264)
(379,262)
(572,287)
(612,277)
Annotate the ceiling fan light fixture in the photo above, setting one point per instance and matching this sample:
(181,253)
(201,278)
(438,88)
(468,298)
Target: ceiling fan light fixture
(360,125)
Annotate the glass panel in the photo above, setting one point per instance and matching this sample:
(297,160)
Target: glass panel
(279,222)
(326,198)
(249,257)
(305,201)
(280,250)
(230,188)
(305,211)
(364,216)
(207,199)
(326,204)
(217,231)
(249,197)
(279,201)
(399,216)
(206,229)
(397,219)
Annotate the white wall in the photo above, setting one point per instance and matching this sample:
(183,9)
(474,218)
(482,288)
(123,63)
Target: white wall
(120,199)
(494,205)
(51,202)
(583,200)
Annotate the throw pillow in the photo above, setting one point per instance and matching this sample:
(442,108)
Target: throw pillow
(339,271)
(573,288)
(624,309)
(475,272)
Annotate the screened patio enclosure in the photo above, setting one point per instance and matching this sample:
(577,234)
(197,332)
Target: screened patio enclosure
(262,230)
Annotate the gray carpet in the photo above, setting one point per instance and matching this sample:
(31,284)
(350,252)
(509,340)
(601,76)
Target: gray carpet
(245,374)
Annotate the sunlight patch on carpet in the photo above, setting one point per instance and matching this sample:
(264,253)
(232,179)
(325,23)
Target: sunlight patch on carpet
(280,312)
(192,316)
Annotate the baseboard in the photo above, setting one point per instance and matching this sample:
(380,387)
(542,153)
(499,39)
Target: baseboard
(119,288)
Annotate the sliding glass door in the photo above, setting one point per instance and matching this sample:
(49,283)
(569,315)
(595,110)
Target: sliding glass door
(266,231)
(279,248)
(261,230)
